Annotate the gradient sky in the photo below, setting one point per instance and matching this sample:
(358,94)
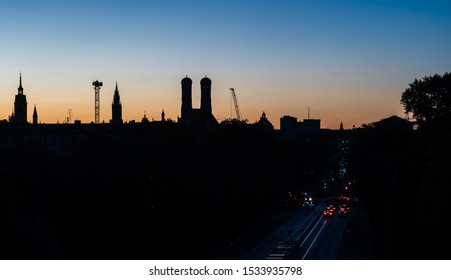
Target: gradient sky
(349,61)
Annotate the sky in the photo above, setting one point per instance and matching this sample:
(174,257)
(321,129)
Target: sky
(338,61)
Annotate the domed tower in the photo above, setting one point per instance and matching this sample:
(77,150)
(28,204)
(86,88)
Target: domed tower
(205,95)
(186,97)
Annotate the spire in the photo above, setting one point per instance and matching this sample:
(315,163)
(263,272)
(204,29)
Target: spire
(116,107)
(116,98)
(20,89)
(35,115)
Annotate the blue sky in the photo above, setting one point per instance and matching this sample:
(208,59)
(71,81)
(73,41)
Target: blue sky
(348,61)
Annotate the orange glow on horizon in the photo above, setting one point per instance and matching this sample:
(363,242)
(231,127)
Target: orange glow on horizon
(350,108)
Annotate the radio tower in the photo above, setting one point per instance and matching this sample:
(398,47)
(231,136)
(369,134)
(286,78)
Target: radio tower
(97,86)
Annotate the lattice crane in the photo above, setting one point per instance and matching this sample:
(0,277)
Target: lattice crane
(235,102)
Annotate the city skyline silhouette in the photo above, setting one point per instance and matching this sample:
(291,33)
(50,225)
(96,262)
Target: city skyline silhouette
(347,62)
(202,116)
(225,130)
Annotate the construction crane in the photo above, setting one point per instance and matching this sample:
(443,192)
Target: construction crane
(235,102)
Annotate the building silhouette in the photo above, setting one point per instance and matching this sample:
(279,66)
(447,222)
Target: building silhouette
(264,123)
(394,123)
(116,108)
(144,118)
(20,105)
(200,117)
(291,126)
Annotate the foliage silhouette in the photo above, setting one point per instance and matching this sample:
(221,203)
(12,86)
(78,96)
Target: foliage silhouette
(403,175)
(429,100)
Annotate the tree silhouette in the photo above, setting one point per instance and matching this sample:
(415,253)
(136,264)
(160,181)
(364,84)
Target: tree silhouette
(234,121)
(429,99)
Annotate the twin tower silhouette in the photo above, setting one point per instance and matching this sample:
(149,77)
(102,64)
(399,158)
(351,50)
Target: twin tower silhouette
(197,116)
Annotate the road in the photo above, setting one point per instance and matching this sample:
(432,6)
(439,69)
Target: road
(320,238)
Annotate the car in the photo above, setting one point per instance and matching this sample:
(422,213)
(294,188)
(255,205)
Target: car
(332,207)
(343,211)
(344,198)
(345,206)
(328,211)
(308,201)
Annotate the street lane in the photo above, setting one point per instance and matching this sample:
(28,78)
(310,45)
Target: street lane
(294,228)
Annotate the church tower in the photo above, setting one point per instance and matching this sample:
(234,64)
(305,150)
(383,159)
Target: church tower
(205,95)
(116,108)
(187,106)
(200,117)
(20,105)
(35,115)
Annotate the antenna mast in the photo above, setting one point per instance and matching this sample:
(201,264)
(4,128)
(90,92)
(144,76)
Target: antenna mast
(97,86)
(69,116)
